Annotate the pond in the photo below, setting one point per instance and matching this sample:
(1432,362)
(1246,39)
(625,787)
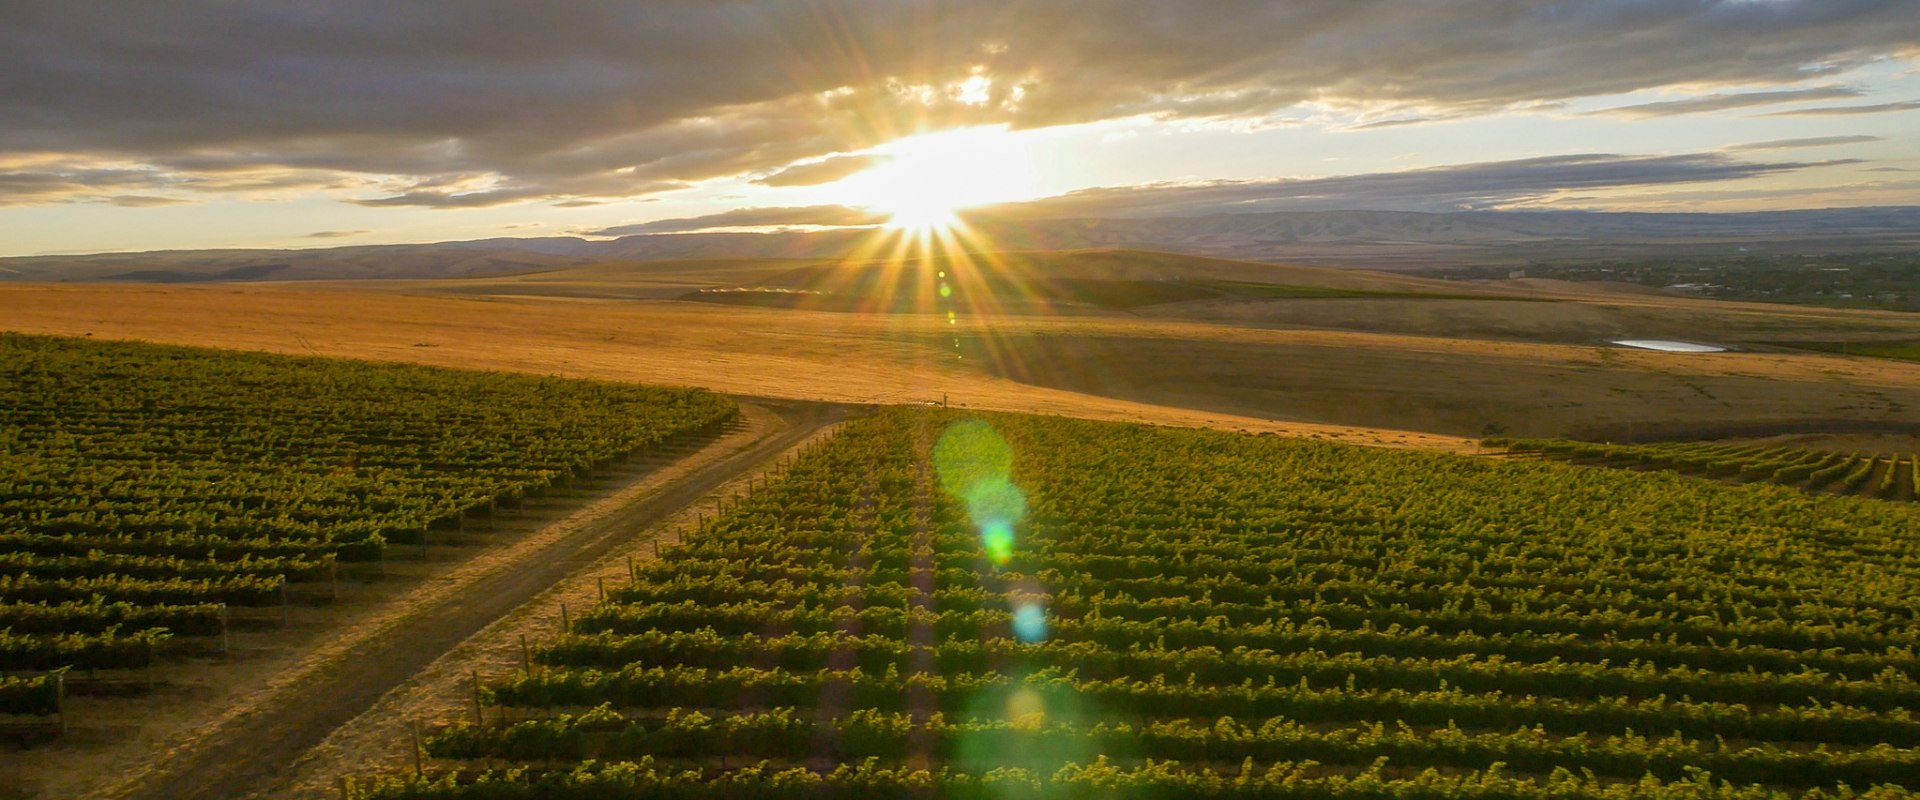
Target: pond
(1670,346)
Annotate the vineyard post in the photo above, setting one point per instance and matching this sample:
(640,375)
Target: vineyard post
(601,581)
(563,618)
(418,769)
(526,656)
(633,575)
(60,700)
(226,639)
(478,720)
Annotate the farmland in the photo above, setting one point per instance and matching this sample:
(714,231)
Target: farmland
(154,493)
(1363,357)
(1888,477)
(934,604)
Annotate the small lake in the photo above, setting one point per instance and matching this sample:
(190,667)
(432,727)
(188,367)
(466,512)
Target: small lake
(1670,346)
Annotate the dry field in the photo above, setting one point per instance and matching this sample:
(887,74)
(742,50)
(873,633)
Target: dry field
(1423,356)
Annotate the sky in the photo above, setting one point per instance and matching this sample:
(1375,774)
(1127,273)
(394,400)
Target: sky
(130,125)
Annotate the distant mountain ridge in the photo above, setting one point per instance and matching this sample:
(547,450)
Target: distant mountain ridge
(1383,239)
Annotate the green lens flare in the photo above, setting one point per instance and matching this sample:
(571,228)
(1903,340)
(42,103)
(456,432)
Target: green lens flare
(975,464)
(997,538)
(968,452)
(994,501)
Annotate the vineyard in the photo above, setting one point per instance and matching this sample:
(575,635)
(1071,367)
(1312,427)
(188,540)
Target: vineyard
(1857,474)
(932,605)
(147,491)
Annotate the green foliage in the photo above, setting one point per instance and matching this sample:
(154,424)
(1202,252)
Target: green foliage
(141,486)
(34,696)
(1839,472)
(1235,616)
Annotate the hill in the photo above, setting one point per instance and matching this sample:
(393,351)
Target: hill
(1370,238)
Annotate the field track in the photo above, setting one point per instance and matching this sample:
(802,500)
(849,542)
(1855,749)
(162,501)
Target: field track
(249,754)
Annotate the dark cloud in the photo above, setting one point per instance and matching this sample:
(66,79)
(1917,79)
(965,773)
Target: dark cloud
(340,234)
(827,215)
(818,172)
(78,180)
(1815,141)
(1829,111)
(1457,187)
(455,103)
(1723,102)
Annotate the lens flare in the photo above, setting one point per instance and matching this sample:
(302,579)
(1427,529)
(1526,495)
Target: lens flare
(997,538)
(969,451)
(1029,712)
(1030,623)
(995,501)
(1026,707)
(975,464)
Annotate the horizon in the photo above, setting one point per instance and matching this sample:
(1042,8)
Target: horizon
(881,228)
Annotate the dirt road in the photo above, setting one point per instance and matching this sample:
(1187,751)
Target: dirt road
(250,754)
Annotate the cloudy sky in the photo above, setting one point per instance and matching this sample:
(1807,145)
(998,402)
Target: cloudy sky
(213,123)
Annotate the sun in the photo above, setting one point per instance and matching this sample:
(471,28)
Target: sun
(923,181)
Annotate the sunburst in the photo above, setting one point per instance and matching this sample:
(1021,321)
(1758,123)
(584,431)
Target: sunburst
(924,181)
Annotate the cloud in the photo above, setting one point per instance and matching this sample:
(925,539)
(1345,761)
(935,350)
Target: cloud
(441,199)
(141,200)
(1395,123)
(823,215)
(818,172)
(1769,198)
(1828,111)
(388,103)
(37,179)
(1456,187)
(339,234)
(1723,102)
(1816,141)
